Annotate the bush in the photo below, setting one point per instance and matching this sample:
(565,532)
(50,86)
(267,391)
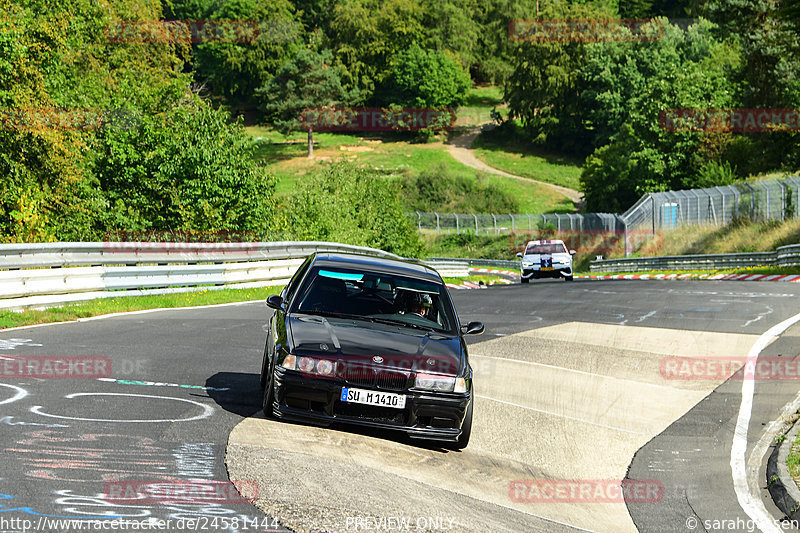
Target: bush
(184,170)
(441,189)
(352,205)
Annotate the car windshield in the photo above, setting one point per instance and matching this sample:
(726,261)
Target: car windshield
(548,248)
(377,297)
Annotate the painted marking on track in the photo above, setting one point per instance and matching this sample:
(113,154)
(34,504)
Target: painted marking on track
(751,505)
(207,410)
(9,421)
(20,393)
(160,384)
(561,415)
(10,344)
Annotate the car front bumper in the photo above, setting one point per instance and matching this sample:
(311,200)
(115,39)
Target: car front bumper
(557,272)
(427,415)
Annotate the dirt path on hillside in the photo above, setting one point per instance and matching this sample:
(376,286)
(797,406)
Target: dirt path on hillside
(460,148)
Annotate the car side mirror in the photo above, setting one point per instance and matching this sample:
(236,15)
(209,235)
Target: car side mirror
(572,252)
(519,254)
(473,328)
(275,302)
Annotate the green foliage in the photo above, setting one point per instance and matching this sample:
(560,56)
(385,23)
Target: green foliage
(151,154)
(426,78)
(344,203)
(366,34)
(309,80)
(440,189)
(625,88)
(545,87)
(186,169)
(235,70)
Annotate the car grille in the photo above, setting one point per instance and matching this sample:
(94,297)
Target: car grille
(366,376)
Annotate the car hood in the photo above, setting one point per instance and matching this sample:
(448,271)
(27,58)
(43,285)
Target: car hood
(394,346)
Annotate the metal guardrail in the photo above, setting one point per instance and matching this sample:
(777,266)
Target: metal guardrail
(494,263)
(38,275)
(782,257)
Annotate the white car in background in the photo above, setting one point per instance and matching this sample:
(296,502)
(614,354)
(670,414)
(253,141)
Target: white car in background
(546,259)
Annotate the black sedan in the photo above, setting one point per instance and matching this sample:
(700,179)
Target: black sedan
(369,341)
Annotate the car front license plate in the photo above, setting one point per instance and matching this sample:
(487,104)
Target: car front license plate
(548,268)
(371,397)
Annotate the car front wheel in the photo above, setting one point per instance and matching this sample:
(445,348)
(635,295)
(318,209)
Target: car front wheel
(568,278)
(269,394)
(524,280)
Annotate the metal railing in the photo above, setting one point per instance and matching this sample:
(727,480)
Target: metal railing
(782,257)
(507,223)
(777,199)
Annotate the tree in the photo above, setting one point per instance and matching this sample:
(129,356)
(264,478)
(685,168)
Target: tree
(544,89)
(234,70)
(364,36)
(626,88)
(426,78)
(307,81)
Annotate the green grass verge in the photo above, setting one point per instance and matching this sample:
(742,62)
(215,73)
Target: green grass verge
(392,156)
(519,157)
(486,278)
(793,459)
(104,306)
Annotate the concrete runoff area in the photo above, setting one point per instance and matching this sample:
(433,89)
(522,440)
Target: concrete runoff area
(573,401)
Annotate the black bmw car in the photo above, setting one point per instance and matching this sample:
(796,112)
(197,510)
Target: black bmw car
(370,341)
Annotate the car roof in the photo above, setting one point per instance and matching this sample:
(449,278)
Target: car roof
(376,264)
(546,241)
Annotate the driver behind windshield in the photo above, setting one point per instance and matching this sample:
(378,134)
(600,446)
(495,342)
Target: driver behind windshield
(417,303)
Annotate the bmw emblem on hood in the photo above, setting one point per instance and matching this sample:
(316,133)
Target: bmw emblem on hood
(377,359)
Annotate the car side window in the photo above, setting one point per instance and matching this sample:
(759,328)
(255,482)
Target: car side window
(290,289)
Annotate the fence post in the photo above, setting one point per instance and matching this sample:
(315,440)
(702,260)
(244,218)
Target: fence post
(438,229)
(752,200)
(495,224)
(476,223)
(419,221)
(456,215)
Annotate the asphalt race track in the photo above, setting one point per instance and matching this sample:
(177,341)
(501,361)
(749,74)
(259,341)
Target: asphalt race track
(576,394)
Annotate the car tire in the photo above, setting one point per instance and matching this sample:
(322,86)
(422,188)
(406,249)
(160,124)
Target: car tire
(269,395)
(263,379)
(567,278)
(466,429)
(524,280)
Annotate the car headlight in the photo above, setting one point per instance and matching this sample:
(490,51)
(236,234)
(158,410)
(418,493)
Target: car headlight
(290,362)
(527,264)
(435,383)
(309,365)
